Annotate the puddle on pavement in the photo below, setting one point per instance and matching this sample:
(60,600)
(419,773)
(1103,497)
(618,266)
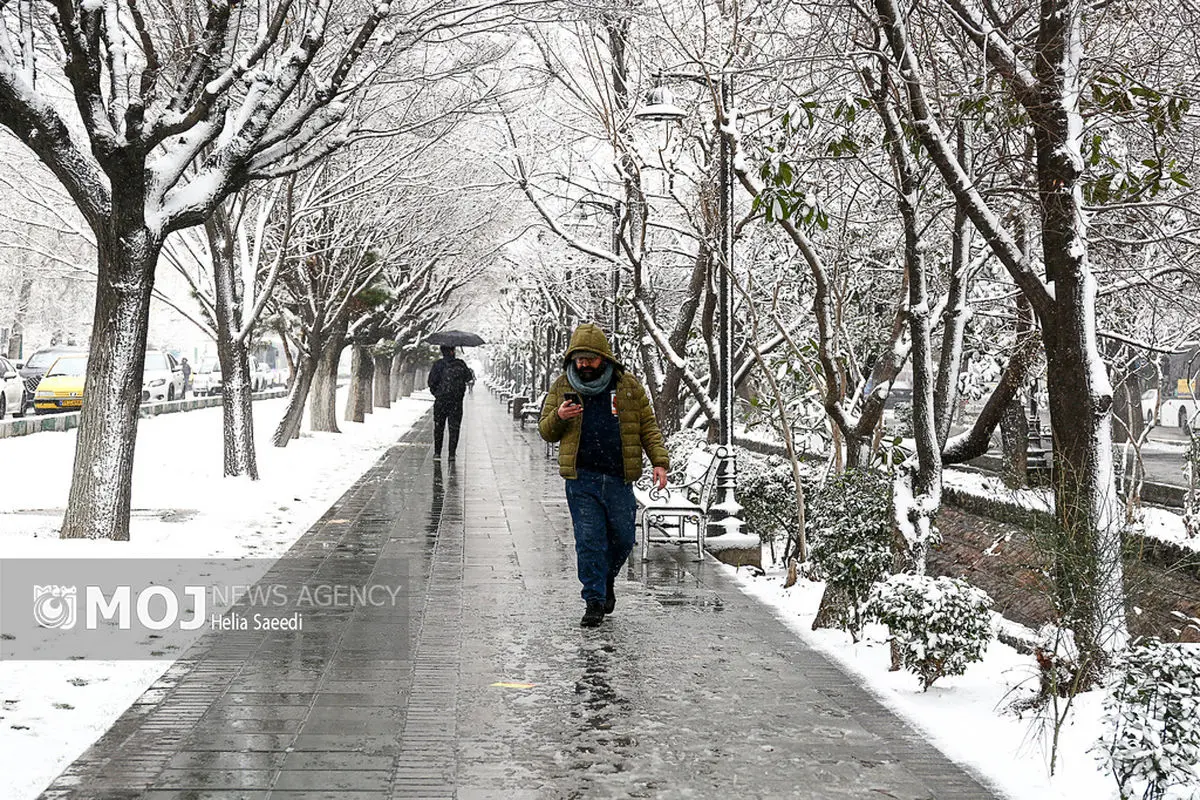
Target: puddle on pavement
(703,602)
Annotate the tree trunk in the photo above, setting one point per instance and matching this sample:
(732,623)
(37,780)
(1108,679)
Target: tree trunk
(237,387)
(1087,568)
(237,410)
(361,368)
(408,378)
(1014,438)
(1089,579)
(102,477)
(1128,421)
(954,318)
(383,382)
(323,408)
(832,610)
(396,371)
(293,414)
(16,339)
(668,404)
(668,398)
(858,450)
(291,361)
(915,511)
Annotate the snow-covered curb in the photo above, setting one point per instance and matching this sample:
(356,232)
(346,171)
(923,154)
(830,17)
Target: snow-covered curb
(51,711)
(731,541)
(1160,523)
(966,717)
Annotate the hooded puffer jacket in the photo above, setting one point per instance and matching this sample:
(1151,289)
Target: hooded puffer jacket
(639,429)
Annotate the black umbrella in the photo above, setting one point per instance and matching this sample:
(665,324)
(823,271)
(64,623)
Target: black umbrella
(455,339)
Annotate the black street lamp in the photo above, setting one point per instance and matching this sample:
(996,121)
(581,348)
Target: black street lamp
(616,278)
(725,514)
(613,208)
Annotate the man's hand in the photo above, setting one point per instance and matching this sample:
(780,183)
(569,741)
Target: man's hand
(660,477)
(569,410)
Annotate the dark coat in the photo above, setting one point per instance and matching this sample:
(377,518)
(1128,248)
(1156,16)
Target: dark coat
(448,379)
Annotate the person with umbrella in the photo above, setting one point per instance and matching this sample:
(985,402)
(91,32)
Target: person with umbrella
(448,381)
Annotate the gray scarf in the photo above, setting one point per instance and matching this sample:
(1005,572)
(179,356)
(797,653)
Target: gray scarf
(589,388)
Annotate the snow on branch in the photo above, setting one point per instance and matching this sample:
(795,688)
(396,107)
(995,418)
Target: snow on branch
(930,132)
(200,112)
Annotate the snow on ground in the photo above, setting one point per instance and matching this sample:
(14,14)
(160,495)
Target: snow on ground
(993,488)
(1160,523)
(1164,524)
(51,711)
(967,717)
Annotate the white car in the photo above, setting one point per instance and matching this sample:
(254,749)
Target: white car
(260,375)
(12,390)
(162,377)
(206,377)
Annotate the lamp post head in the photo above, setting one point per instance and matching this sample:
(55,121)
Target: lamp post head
(660,107)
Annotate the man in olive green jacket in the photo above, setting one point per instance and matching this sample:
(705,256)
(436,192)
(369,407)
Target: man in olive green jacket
(601,418)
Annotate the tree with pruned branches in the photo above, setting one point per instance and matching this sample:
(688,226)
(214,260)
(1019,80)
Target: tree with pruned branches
(150,116)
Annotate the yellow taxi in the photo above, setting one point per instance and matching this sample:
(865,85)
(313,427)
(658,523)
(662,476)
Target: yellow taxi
(61,388)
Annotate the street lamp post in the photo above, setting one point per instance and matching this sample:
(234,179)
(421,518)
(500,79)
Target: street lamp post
(616,278)
(725,514)
(549,357)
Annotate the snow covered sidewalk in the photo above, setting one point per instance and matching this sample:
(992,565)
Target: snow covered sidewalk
(691,689)
(50,711)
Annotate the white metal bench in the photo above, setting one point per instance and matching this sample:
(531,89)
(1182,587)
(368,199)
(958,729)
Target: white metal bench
(533,411)
(684,505)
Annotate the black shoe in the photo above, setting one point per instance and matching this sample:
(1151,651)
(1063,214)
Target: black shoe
(437,456)
(594,614)
(610,600)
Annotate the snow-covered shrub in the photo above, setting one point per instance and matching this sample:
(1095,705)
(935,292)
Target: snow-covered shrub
(850,536)
(940,625)
(1151,742)
(682,443)
(767,491)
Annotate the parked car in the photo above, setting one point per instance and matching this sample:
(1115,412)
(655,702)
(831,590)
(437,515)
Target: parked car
(260,375)
(206,378)
(33,368)
(61,388)
(12,390)
(162,377)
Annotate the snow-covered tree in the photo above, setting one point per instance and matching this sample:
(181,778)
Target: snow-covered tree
(150,117)
(230,265)
(1088,572)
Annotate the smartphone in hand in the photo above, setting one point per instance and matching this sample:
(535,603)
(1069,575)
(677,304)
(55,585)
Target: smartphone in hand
(572,398)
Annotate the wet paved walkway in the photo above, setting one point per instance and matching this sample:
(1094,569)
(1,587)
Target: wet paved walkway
(691,690)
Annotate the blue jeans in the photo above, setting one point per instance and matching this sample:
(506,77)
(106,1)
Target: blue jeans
(603,512)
